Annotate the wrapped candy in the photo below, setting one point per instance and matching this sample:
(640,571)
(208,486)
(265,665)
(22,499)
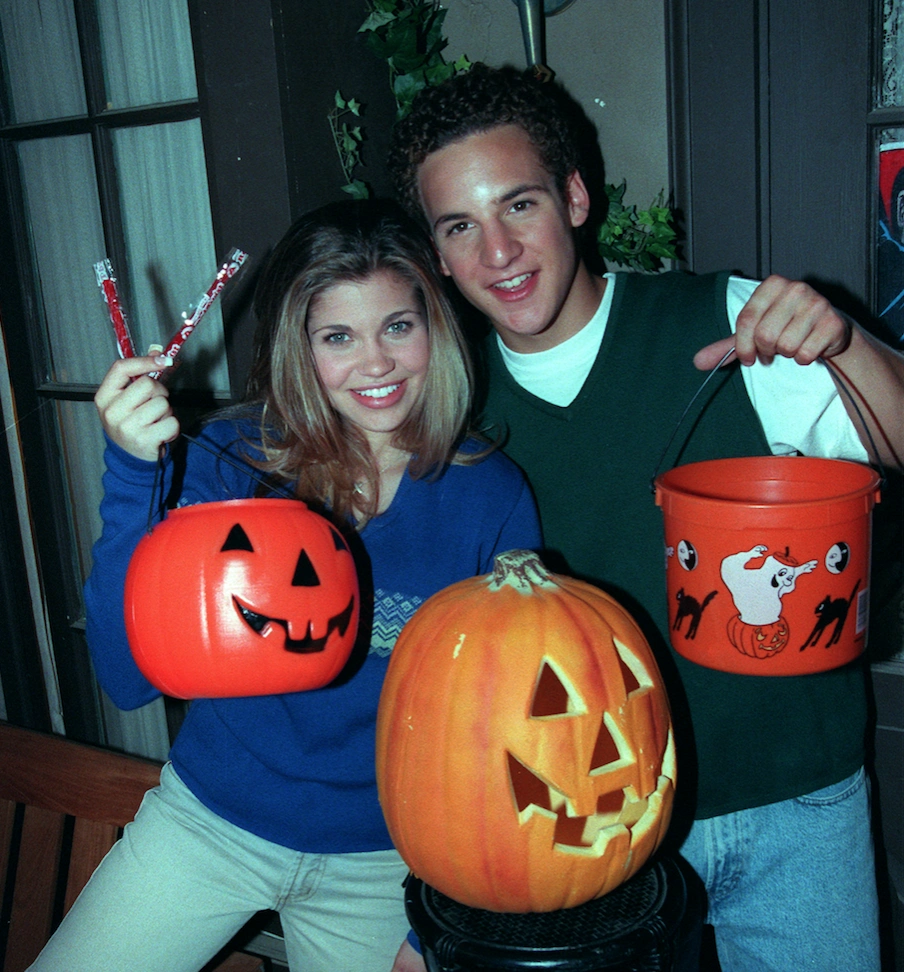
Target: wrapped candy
(103,270)
(107,282)
(229,268)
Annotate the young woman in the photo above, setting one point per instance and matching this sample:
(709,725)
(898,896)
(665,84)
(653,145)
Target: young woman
(359,397)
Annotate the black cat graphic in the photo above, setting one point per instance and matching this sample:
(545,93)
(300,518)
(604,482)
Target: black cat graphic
(690,607)
(830,610)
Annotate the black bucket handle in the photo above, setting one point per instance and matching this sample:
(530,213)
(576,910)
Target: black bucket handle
(221,453)
(836,376)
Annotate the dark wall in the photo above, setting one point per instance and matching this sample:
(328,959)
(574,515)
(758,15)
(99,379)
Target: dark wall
(268,71)
(771,158)
(320,51)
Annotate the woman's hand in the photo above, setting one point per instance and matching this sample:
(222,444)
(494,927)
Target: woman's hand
(134,408)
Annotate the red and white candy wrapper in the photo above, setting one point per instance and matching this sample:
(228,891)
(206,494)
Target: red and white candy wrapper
(230,267)
(103,270)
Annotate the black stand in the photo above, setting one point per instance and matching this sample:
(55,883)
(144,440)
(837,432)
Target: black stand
(634,928)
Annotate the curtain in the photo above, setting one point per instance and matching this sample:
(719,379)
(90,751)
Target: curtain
(43,76)
(147,52)
(160,179)
(170,247)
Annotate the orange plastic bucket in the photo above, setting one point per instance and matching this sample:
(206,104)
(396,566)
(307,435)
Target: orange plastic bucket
(767,562)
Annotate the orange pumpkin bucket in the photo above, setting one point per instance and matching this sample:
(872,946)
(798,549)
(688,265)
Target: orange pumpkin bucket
(241,597)
(767,562)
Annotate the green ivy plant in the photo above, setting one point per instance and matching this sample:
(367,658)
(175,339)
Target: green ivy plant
(641,239)
(348,142)
(407,35)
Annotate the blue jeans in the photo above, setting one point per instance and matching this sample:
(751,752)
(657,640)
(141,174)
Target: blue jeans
(182,881)
(791,886)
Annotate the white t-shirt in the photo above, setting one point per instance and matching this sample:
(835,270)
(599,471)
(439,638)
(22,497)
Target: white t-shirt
(799,406)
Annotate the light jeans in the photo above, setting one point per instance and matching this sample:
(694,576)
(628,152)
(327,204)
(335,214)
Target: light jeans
(792,885)
(182,881)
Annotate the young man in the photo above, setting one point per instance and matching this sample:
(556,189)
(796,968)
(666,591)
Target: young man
(588,377)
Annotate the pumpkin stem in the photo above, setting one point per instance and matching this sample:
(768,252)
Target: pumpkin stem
(521,569)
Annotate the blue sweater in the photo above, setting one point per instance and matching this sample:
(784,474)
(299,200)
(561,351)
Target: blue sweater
(298,769)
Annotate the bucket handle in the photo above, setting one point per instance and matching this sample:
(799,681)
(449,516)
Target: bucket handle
(841,382)
(222,454)
(834,372)
(713,371)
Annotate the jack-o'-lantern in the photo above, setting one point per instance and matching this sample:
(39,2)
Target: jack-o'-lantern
(758,640)
(240,598)
(525,755)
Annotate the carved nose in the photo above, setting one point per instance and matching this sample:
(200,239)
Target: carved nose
(305,575)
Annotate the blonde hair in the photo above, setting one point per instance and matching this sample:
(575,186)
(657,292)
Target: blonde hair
(304,439)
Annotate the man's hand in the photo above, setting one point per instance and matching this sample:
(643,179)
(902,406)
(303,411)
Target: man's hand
(783,317)
(788,318)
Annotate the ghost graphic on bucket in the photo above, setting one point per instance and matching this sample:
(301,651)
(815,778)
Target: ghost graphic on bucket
(758,581)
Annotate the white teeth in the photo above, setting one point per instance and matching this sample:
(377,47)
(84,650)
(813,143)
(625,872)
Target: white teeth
(513,283)
(378,392)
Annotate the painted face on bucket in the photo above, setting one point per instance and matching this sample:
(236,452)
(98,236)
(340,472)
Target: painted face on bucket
(837,558)
(263,594)
(687,556)
(371,350)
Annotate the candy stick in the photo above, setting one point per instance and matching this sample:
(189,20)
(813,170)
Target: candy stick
(107,282)
(229,269)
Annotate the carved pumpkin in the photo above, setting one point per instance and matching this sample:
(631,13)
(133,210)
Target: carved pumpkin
(525,757)
(241,597)
(758,640)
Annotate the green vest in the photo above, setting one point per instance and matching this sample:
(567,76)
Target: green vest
(743,741)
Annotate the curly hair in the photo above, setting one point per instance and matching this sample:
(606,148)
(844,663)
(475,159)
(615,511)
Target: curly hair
(477,101)
(304,439)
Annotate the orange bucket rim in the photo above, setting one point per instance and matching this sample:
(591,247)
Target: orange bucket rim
(237,503)
(871,482)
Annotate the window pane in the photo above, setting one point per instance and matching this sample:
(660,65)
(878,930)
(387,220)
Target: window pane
(83,450)
(891,84)
(147,52)
(890,262)
(43,73)
(67,240)
(142,732)
(170,246)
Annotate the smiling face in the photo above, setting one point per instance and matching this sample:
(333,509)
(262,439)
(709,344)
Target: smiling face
(505,235)
(371,349)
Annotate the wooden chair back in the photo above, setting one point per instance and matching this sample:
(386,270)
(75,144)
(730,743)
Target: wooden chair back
(63,805)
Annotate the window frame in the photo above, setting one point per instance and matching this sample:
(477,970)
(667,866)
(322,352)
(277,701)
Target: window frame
(267,72)
(217,40)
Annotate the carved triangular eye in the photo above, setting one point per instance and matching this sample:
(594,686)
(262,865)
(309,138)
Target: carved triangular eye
(237,540)
(605,751)
(611,749)
(338,541)
(630,678)
(633,670)
(554,695)
(305,575)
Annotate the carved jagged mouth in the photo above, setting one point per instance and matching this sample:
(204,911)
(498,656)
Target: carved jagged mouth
(533,795)
(307,645)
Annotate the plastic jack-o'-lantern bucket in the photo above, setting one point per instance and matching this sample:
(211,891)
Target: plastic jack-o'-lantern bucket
(240,598)
(767,562)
